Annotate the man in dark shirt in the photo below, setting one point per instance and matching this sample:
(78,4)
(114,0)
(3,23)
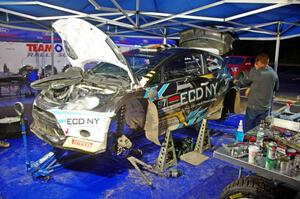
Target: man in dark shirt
(263,80)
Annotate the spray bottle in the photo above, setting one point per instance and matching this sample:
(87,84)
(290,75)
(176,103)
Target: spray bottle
(239,135)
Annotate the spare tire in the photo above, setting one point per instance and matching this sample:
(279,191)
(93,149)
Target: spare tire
(248,187)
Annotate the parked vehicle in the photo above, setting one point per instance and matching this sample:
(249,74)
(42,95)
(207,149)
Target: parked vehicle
(239,64)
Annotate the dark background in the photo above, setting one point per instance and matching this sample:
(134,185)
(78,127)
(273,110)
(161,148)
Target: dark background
(288,53)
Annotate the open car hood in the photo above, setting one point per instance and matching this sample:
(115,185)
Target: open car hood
(84,43)
(72,76)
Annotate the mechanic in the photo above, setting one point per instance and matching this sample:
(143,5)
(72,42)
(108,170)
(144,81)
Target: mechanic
(263,80)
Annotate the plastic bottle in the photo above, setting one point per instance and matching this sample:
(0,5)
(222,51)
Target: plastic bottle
(239,135)
(260,135)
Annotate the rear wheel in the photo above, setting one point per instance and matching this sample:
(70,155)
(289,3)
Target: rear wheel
(253,187)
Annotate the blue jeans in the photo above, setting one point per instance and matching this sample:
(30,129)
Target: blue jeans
(253,118)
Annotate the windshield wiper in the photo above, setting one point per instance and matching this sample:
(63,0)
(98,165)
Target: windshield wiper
(112,76)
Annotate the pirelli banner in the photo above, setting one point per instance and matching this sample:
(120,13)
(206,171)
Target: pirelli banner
(17,54)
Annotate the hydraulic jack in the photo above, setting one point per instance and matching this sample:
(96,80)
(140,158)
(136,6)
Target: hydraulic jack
(51,161)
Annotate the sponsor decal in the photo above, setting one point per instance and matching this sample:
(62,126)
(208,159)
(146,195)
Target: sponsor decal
(203,92)
(162,90)
(174,99)
(235,196)
(81,143)
(208,76)
(151,93)
(35,47)
(162,103)
(183,86)
(85,145)
(43,50)
(82,121)
(75,122)
(4,29)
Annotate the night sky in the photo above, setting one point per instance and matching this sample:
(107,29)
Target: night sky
(289,49)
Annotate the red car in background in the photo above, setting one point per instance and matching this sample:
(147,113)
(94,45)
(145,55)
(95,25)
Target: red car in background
(239,63)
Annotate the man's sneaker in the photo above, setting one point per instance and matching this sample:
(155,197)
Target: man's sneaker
(4,144)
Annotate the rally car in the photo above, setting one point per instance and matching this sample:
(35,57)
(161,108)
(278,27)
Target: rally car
(150,90)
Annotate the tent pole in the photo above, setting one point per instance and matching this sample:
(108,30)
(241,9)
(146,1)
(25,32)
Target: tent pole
(52,51)
(165,36)
(277,48)
(276,60)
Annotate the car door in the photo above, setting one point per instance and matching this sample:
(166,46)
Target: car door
(175,93)
(204,88)
(217,78)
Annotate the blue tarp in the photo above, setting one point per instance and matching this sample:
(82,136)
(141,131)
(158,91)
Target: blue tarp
(17,35)
(252,19)
(102,176)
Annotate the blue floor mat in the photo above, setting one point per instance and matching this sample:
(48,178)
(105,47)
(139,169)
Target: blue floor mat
(103,177)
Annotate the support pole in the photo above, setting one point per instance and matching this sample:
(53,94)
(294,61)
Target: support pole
(137,13)
(52,50)
(276,61)
(165,36)
(277,48)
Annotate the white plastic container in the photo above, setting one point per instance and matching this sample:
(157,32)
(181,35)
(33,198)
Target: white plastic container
(253,154)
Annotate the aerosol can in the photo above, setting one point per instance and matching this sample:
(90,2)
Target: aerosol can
(260,135)
(239,135)
(271,157)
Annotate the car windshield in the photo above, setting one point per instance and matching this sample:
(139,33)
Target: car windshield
(234,60)
(141,61)
(109,70)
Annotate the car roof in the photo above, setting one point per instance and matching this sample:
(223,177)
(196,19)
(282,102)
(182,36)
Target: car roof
(170,51)
(241,56)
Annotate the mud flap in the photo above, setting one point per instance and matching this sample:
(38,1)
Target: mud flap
(232,102)
(237,102)
(215,109)
(151,123)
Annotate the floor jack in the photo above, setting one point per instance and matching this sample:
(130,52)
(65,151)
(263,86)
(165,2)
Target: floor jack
(50,162)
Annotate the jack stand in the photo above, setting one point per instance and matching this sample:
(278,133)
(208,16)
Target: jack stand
(49,162)
(167,155)
(203,142)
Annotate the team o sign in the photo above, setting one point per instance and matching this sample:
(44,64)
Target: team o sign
(34,47)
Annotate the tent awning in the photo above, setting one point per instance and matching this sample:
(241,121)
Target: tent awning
(247,19)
